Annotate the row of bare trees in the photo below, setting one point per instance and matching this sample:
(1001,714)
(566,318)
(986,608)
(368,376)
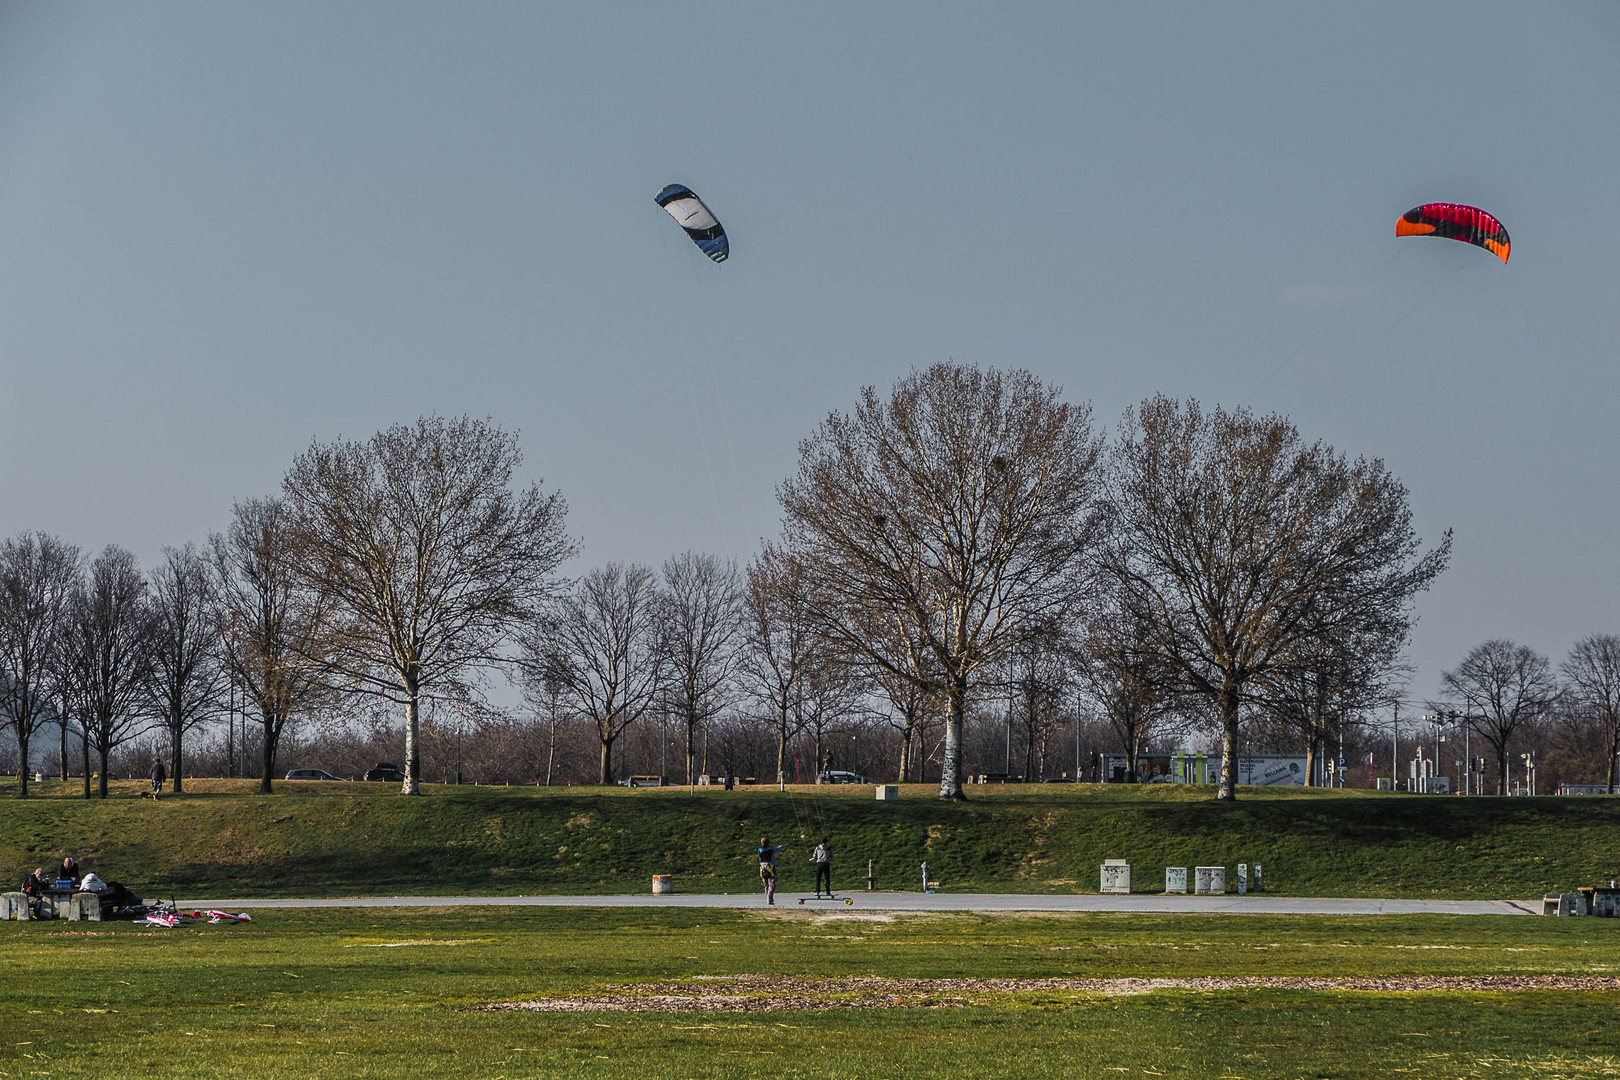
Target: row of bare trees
(1511,696)
(1220,564)
(968,536)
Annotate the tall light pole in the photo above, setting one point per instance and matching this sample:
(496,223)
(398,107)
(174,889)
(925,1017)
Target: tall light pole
(1395,747)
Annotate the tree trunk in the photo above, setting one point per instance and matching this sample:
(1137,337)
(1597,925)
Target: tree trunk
(84,736)
(1310,761)
(691,749)
(413,740)
(781,747)
(101,788)
(61,749)
(1501,771)
(22,762)
(1228,704)
(1614,760)
(905,750)
(551,749)
(607,760)
(267,755)
(950,769)
(175,784)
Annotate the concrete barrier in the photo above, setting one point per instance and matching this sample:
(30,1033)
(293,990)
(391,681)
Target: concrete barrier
(84,907)
(14,905)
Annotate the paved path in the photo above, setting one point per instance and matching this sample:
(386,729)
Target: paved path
(898,901)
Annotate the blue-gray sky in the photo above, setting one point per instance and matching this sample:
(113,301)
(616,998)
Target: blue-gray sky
(227,229)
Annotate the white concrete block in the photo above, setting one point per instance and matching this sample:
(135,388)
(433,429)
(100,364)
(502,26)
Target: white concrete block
(888,792)
(1209,880)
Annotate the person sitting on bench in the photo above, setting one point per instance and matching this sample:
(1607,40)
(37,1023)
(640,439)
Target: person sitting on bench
(69,872)
(34,886)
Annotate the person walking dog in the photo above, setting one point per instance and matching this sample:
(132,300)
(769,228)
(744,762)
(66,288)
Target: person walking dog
(158,776)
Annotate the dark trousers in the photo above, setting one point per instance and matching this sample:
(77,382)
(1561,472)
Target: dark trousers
(823,873)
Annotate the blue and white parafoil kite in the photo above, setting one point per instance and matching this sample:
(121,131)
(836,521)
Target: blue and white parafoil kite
(698,220)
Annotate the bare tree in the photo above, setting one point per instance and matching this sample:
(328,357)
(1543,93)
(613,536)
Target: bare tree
(1038,672)
(108,652)
(702,619)
(38,576)
(912,707)
(427,557)
(1592,675)
(959,513)
(1503,689)
(1328,689)
(1125,675)
(600,642)
(269,629)
(778,647)
(1244,548)
(188,669)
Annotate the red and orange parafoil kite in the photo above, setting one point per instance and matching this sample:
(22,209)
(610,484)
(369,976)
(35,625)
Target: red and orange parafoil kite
(1454,221)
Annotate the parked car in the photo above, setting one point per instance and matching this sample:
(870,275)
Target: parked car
(384,771)
(311,774)
(838,776)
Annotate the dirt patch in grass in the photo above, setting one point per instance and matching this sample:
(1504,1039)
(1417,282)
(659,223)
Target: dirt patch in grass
(779,993)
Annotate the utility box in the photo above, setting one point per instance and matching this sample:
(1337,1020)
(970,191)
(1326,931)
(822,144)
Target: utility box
(662,885)
(1175,879)
(1209,880)
(888,792)
(1116,876)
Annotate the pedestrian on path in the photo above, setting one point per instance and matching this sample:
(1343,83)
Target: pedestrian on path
(822,857)
(767,866)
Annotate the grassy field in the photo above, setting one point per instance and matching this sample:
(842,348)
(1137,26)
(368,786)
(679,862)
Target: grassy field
(395,994)
(221,838)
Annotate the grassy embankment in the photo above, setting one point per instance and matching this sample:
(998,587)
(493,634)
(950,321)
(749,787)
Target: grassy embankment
(222,839)
(395,994)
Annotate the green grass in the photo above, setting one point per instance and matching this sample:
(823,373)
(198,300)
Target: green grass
(346,838)
(301,993)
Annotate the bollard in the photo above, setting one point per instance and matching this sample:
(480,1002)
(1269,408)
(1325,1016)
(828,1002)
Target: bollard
(1258,887)
(1243,879)
(870,885)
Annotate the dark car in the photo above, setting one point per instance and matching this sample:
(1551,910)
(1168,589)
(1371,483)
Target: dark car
(384,771)
(841,776)
(311,774)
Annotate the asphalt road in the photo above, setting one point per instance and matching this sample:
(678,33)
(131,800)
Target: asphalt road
(900,901)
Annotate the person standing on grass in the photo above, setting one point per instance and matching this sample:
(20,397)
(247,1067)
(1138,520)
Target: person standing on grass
(822,857)
(158,776)
(767,866)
